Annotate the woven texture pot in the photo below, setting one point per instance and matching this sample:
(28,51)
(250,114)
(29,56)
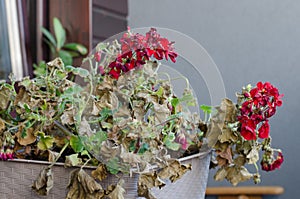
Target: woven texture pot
(17,176)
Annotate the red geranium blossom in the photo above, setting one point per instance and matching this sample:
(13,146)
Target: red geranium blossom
(275,164)
(257,106)
(248,129)
(136,49)
(263,131)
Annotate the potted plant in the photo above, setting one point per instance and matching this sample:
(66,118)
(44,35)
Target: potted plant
(123,116)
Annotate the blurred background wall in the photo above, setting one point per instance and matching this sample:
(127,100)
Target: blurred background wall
(249,41)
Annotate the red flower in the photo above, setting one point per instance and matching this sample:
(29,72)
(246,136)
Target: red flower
(97,56)
(263,131)
(272,165)
(248,130)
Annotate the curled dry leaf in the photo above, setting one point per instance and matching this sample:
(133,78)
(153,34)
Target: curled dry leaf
(5,97)
(2,126)
(44,183)
(52,156)
(29,138)
(146,182)
(253,156)
(225,113)
(85,128)
(226,154)
(100,173)
(83,186)
(174,171)
(72,160)
(233,174)
(118,191)
(68,117)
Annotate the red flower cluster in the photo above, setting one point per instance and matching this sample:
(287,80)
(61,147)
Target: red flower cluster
(137,49)
(259,105)
(6,154)
(268,165)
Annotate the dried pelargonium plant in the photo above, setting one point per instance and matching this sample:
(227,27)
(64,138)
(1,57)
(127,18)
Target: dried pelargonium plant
(125,116)
(238,139)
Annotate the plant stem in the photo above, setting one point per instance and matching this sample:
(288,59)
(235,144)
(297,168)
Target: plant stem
(85,163)
(62,128)
(60,153)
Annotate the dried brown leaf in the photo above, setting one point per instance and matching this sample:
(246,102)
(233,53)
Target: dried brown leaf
(230,109)
(221,161)
(227,154)
(220,174)
(28,139)
(44,183)
(83,186)
(214,131)
(56,63)
(100,173)
(174,171)
(5,97)
(237,174)
(146,182)
(52,156)
(72,160)
(68,117)
(253,156)
(118,191)
(227,136)
(162,112)
(2,126)
(85,128)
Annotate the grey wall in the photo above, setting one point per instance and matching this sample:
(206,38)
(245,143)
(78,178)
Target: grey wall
(249,41)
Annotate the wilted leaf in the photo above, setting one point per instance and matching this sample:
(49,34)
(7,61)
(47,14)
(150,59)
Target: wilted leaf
(227,136)
(130,158)
(214,131)
(56,63)
(85,128)
(220,174)
(236,175)
(174,171)
(5,94)
(146,182)
(72,160)
(83,186)
(100,173)
(68,117)
(227,154)
(2,126)
(29,137)
(45,142)
(253,156)
(52,156)
(162,112)
(240,161)
(118,192)
(230,110)
(44,183)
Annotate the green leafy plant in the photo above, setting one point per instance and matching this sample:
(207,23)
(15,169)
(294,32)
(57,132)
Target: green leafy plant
(59,47)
